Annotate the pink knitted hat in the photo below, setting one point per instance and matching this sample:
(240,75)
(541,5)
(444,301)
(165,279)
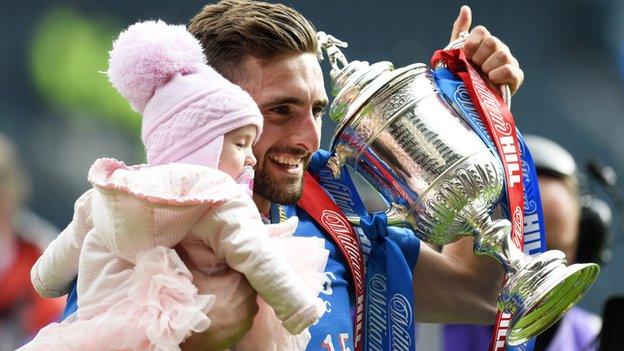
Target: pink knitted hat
(186,105)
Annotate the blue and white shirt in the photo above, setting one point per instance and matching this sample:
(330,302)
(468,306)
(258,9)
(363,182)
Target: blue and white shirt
(334,331)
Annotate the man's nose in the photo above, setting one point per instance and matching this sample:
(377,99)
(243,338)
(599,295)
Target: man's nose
(305,132)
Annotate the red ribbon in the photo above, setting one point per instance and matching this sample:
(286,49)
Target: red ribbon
(326,213)
(500,124)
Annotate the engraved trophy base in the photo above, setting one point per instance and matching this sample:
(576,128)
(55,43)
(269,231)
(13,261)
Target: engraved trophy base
(539,289)
(554,289)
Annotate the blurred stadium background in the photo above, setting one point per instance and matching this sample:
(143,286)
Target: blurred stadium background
(63,114)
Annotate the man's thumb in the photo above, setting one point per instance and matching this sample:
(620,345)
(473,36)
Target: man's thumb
(462,23)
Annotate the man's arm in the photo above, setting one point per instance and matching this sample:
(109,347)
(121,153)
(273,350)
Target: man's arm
(456,286)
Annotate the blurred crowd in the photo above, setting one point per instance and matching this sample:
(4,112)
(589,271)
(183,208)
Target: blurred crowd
(23,236)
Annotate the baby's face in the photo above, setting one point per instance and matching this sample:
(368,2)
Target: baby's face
(236,152)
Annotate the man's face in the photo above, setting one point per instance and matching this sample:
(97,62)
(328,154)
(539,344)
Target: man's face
(291,95)
(561,216)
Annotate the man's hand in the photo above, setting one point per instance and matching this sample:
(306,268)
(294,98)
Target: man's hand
(487,52)
(231,316)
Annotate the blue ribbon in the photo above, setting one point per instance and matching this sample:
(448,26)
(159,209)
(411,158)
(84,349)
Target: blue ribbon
(390,255)
(341,189)
(534,230)
(389,319)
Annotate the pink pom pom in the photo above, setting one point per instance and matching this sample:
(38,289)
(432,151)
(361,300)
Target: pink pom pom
(147,55)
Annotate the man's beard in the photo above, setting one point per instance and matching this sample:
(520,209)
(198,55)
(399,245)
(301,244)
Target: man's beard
(283,192)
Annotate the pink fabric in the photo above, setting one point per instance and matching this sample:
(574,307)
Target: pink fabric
(208,155)
(308,257)
(135,209)
(171,184)
(185,103)
(57,267)
(146,55)
(192,110)
(158,309)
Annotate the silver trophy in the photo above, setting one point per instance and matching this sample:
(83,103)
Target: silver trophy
(398,131)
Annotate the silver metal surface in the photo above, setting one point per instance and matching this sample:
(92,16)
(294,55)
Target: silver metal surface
(397,130)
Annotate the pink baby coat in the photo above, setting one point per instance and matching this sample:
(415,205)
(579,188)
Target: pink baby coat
(129,223)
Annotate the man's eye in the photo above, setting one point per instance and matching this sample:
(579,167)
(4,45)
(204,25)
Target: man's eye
(282,110)
(318,112)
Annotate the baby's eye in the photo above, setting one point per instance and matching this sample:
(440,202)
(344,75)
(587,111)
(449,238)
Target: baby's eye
(241,144)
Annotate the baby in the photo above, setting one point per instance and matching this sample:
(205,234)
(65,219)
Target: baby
(191,200)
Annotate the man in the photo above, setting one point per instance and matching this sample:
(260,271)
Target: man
(270,51)
(561,203)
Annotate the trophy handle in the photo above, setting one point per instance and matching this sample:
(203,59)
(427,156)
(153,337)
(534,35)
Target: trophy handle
(458,43)
(329,43)
(342,153)
(396,215)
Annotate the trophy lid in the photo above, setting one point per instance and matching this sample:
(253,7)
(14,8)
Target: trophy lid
(362,82)
(356,82)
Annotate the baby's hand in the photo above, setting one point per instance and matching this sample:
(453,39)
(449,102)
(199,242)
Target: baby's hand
(284,229)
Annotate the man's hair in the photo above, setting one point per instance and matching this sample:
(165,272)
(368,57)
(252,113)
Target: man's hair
(232,29)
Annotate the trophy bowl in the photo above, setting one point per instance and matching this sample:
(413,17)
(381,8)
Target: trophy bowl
(397,130)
